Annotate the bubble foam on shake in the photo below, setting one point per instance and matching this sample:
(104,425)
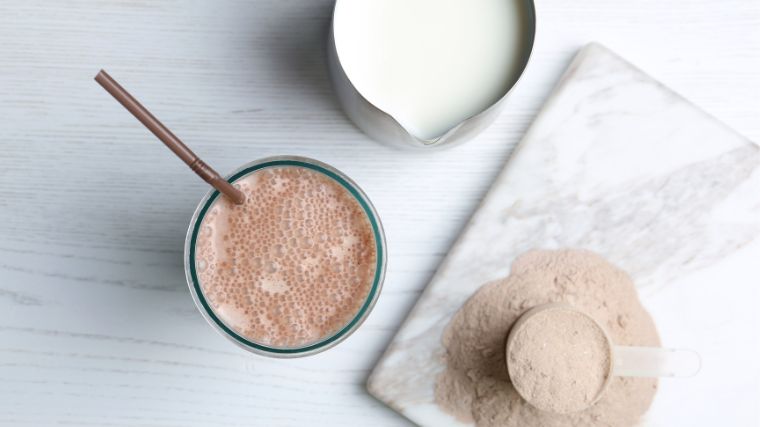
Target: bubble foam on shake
(291,266)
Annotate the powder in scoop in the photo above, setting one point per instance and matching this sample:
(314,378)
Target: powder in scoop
(558,358)
(475,386)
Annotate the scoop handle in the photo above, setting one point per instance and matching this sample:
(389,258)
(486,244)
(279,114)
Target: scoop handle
(655,362)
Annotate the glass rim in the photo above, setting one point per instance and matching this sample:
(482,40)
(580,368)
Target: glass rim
(327,342)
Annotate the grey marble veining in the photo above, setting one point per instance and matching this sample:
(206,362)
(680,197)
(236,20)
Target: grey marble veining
(621,165)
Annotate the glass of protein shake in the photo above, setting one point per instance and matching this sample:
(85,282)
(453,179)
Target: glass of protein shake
(296,267)
(285,257)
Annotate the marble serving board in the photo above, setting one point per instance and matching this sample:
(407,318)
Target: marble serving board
(617,163)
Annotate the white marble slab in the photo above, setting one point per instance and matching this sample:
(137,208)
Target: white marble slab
(619,164)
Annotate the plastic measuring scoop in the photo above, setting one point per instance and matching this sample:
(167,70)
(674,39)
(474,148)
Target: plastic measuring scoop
(622,361)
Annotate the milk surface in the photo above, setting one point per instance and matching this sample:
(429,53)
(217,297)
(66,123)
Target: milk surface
(431,63)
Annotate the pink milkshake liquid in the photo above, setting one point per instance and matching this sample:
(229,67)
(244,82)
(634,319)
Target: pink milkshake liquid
(294,267)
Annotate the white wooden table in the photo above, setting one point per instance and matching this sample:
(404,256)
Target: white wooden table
(96,324)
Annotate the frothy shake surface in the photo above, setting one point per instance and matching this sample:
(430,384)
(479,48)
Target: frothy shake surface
(292,265)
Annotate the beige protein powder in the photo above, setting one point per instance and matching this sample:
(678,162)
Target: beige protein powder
(475,387)
(558,358)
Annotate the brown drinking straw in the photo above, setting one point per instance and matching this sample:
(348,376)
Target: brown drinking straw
(167,137)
